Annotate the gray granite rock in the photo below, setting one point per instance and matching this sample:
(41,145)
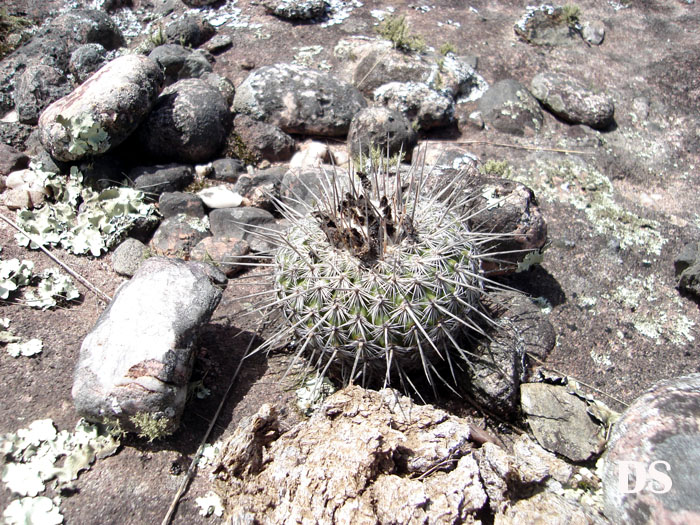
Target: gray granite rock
(137,360)
(650,469)
(128,256)
(572,101)
(103,111)
(299,100)
(509,107)
(383,129)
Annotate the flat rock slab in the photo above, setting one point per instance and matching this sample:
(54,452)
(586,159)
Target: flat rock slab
(560,421)
(103,111)
(652,466)
(138,358)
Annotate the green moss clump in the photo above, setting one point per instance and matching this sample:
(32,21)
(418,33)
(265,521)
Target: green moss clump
(496,168)
(150,426)
(397,30)
(237,148)
(571,14)
(447,48)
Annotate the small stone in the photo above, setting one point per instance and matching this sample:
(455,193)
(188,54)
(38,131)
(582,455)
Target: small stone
(255,140)
(261,187)
(36,88)
(220,197)
(128,256)
(177,235)
(226,253)
(687,269)
(218,44)
(295,9)
(176,202)
(189,30)
(510,108)
(546,25)
(311,155)
(593,32)
(227,169)
(425,107)
(179,62)
(240,223)
(85,60)
(11,159)
(154,180)
(380,128)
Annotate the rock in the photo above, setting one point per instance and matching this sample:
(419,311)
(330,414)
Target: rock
(687,269)
(547,508)
(226,253)
(418,102)
(85,60)
(86,26)
(547,25)
(177,235)
(190,30)
(593,32)
(175,203)
(189,123)
(11,159)
(154,180)
(227,169)
(240,223)
(218,44)
(572,101)
(223,84)
(261,188)
(257,140)
(650,469)
(103,111)
(128,256)
(295,9)
(138,358)
(300,190)
(36,88)
(560,422)
(376,472)
(220,197)
(15,134)
(299,100)
(24,190)
(383,129)
(198,3)
(311,155)
(179,62)
(510,108)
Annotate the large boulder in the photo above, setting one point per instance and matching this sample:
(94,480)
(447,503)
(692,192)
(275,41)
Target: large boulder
(103,111)
(651,469)
(299,100)
(135,364)
(189,123)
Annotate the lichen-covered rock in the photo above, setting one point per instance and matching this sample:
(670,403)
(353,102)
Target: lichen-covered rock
(179,62)
(255,140)
(189,123)
(383,129)
(299,100)
(547,25)
(190,30)
(226,253)
(154,180)
(572,101)
(103,111)
(86,59)
(380,469)
(86,26)
(136,362)
(687,269)
(295,9)
(650,469)
(509,107)
(418,102)
(36,88)
(178,234)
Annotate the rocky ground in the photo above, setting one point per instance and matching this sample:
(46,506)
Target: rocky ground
(618,196)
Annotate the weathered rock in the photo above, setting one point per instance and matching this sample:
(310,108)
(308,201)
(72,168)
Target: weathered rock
(302,189)
(418,102)
(24,190)
(262,187)
(36,88)
(240,223)
(179,62)
(259,140)
(572,101)
(138,358)
(189,123)
(15,134)
(11,159)
(86,59)
(103,111)
(86,26)
(376,471)
(177,235)
(650,469)
(547,508)
(547,25)
(223,84)
(593,32)
(295,9)
(687,269)
(218,44)
(198,3)
(220,197)
(226,253)
(381,128)
(128,256)
(509,107)
(175,203)
(154,180)
(560,421)
(227,169)
(310,155)
(190,30)
(299,100)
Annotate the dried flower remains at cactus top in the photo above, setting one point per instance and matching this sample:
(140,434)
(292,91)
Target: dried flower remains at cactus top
(380,278)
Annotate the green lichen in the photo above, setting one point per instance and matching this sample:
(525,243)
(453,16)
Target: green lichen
(85,135)
(397,30)
(496,168)
(150,426)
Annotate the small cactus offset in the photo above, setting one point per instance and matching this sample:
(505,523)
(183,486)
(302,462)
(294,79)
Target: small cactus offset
(381,279)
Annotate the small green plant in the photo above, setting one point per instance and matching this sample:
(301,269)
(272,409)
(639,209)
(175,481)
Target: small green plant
(150,426)
(377,160)
(397,30)
(496,168)
(447,48)
(157,37)
(237,148)
(571,14)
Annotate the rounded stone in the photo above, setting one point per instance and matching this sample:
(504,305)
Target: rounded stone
(295,9)
(36,88)
(510,108)
(85,60)
(418,102)
(381,128)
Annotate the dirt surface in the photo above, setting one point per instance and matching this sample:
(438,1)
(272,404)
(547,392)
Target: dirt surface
(619,205)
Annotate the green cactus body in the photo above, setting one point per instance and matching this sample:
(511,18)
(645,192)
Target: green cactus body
(381,286)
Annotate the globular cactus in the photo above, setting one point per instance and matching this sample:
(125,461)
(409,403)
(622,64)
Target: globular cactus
(381,278)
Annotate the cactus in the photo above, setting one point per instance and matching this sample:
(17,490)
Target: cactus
(381,278)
